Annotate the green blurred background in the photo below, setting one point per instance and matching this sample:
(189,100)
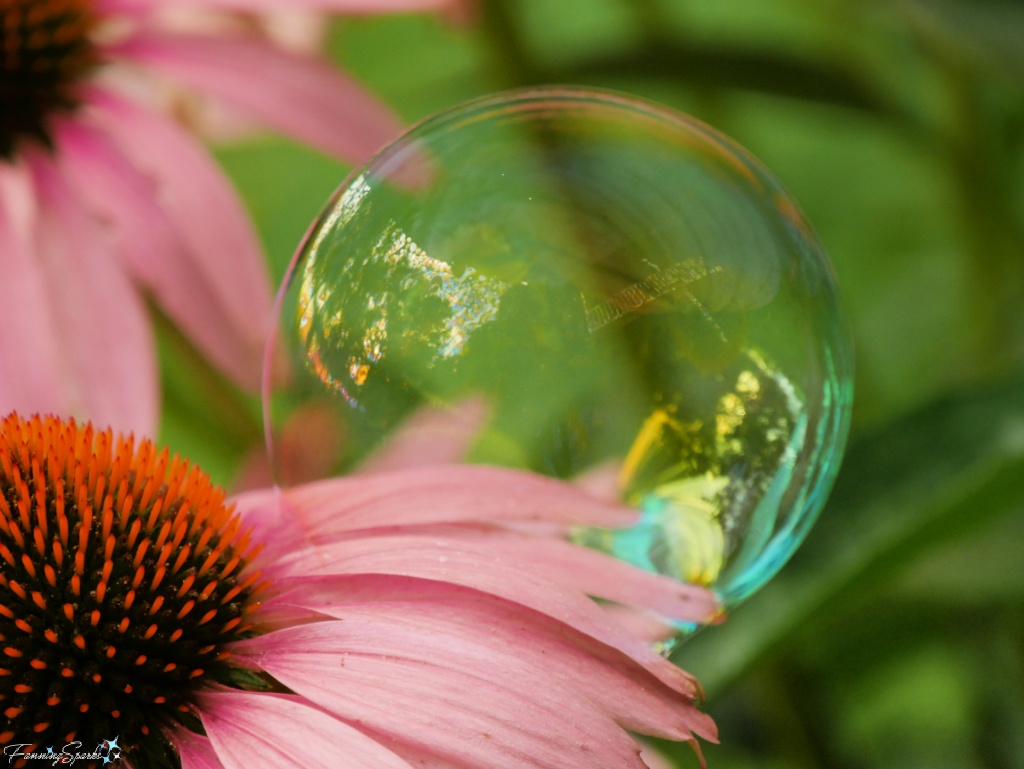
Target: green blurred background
(896,636)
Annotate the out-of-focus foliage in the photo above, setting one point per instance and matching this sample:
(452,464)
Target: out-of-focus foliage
(896,638)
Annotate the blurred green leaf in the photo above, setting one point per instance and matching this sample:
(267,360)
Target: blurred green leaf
(725,66)
(205,417)
(417,63)
(980,568)
(990,31)
(926,480)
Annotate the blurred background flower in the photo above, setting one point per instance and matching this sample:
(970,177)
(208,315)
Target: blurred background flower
(106,205)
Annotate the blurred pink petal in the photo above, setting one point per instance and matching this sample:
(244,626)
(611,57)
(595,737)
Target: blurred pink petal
(431,436)
(206,212)
(297,95)
(107,357)
(154,253)
(305,449)
(30,372)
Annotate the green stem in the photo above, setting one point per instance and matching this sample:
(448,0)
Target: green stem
(1000,739)
(798,717)
(513,65)
(977,156)
(228,416)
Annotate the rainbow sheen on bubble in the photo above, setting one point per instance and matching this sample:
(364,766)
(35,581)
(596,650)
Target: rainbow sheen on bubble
(633,299)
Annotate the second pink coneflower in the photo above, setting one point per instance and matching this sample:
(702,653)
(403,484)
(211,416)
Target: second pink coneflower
(105,202)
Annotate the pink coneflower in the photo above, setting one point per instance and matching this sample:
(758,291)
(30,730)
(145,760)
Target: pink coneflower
(106,203)
(418,618)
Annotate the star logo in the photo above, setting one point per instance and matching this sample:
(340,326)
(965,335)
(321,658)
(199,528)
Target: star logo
(110,746)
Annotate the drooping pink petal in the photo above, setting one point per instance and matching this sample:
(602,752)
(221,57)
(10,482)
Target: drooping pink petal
(431,436)
(655,760)
(195,751)
(106,346)
(426,559)
(591,572)
(402,689)
(30,377)
(275,731)
(152,249)
(297,95)
(443,494)
(464,629)
(203,208)
(642,623)
(580,568)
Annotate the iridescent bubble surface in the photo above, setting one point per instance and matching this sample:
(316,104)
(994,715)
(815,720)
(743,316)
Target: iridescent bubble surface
(628,294)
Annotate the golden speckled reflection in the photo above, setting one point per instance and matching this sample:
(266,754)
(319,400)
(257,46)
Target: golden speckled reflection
(396,267)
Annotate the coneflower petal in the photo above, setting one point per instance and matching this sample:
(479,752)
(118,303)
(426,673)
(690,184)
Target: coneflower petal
(151,247)
(297,95)
(444,494)
(195,751)
(419,557)
(588,571)
(30,376)
(477,633)
(107,353)
(439,716)
(204,208)
(276,731)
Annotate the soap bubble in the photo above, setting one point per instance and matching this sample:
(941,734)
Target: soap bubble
(614,293)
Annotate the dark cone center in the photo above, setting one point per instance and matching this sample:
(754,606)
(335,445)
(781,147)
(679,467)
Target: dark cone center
(45,51)
(122,579)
